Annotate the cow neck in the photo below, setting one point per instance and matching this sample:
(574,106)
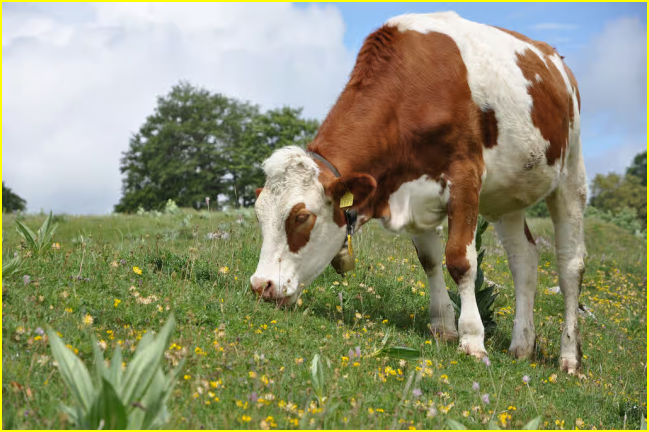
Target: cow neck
(350,215)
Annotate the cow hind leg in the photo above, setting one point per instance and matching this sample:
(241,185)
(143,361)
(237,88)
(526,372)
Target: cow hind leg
(442,314)
(523,263)
(566,205)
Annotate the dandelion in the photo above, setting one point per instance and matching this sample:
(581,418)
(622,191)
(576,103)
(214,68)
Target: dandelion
(485,398)
(187,377)
(137,270)
(88,320)
(475,386)
(117,302)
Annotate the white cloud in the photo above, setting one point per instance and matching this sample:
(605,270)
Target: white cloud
(554,26)
(612,73)
(75,90)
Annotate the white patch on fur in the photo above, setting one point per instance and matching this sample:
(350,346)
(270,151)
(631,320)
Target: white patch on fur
(292,178)
(470,324)
(497,82)
(417,206)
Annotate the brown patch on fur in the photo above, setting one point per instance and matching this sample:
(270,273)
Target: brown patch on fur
(528,234)
(298,225)
(551,102)
(552,109)
(546,49)
(414,117)
(257,192)
(489,127)
(375,56)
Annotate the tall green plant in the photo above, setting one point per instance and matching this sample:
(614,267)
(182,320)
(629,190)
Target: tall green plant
(134,398)
(40,241)
(484,295)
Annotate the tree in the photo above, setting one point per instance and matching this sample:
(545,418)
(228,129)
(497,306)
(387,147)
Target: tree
(613,192)
(267,132)
(197,144)
(10,201)
(538,210)
(638,168)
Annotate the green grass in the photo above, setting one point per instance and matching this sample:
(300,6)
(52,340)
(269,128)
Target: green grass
(249,362)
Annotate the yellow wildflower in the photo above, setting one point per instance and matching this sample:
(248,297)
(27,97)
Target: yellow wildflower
(137,270)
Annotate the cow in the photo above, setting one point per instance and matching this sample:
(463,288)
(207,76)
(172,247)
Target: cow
(441,119)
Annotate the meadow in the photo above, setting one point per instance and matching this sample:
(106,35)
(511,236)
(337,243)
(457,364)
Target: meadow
(248,362)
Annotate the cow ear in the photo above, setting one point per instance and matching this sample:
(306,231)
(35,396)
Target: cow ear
(361,186)
(257,192)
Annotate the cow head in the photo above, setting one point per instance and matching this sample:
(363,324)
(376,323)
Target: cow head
(300,222)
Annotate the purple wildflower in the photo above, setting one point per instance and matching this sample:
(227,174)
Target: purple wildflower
(26,279)
(350,353)
(485,398)
(358,351)
(253,397)
(486,361)
(416,392)
(476,386)
(526,379)
(39,331)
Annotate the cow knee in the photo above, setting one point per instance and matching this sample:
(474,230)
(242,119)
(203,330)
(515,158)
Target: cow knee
(458,266)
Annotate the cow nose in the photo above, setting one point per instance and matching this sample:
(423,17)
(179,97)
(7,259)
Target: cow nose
(263,287)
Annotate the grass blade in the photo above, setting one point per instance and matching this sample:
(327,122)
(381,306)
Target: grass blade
(109,408)
(455,425)
(533,424)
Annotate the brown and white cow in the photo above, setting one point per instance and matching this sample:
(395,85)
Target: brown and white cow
(441,117)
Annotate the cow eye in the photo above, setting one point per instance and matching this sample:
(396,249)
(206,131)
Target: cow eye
(302,217)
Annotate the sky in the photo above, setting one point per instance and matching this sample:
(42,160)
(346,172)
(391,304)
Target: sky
(80,78)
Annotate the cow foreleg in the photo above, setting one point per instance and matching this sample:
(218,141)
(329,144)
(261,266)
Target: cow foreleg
(442,315)
(462,260)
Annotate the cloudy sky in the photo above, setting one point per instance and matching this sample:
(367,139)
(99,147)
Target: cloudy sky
(79,79)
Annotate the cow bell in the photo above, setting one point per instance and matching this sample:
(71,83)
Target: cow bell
(343,262)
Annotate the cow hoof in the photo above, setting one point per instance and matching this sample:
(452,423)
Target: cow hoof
(473,347)
(444,335)
(570,365)
(522,349)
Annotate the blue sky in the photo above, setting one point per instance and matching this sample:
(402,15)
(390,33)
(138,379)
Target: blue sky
(80,78)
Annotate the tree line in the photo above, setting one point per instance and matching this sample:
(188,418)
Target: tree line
(199,144)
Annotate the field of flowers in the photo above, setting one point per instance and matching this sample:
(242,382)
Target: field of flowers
(248,364)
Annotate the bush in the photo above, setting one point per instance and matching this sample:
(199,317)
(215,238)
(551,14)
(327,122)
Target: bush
(626,218)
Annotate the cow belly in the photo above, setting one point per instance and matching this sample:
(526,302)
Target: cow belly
(509,186)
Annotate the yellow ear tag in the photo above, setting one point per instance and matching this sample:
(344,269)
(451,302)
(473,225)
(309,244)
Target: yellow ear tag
(350,249)
(347,200)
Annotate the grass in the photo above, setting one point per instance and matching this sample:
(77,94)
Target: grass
(248,364)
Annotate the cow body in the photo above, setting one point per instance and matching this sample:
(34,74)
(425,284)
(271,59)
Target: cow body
(441,118)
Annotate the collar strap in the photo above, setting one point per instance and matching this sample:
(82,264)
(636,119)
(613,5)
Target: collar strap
(350,215)
(324,161)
